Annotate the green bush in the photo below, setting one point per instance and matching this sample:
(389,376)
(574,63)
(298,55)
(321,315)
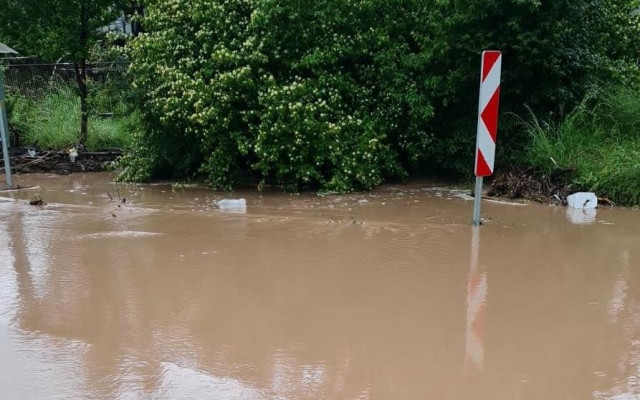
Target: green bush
(600,139)
(342,95)
(307,135)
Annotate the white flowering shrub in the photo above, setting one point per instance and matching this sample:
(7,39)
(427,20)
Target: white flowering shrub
(309,135)
(238,91)
(341,95)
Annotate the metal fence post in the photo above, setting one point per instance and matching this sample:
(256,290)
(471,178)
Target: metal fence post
(4,132)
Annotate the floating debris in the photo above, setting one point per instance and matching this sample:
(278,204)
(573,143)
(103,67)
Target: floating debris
(582,200)
(37,201)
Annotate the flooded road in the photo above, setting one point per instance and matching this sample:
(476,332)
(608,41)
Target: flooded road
(382,295)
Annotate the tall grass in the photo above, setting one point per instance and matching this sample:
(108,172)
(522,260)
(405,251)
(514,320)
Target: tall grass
(53,121)
(600,139)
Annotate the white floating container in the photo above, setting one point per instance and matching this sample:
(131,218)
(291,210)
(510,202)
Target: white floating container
(583,200)
(232,205)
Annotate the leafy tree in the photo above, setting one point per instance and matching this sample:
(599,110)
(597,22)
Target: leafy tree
(554,53)
(345,94)
(59,29)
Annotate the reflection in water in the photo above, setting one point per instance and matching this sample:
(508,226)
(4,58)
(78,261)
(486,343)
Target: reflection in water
(627,382)
(617,303)
(186,383)
(8,279)
(476,309)
(305,297)
(585,216)
(37,238)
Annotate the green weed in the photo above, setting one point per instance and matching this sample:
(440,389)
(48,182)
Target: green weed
(53,121)
(600,139)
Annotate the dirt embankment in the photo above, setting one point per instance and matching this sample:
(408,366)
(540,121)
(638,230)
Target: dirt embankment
(25,160)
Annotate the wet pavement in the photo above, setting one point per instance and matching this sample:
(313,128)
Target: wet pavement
(382,295)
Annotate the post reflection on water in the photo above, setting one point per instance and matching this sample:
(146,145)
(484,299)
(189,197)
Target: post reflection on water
(624,314)
(477,289)
(305,297)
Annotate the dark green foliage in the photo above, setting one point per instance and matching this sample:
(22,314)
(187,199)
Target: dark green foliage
(56,30)
(342,95)
(600,139)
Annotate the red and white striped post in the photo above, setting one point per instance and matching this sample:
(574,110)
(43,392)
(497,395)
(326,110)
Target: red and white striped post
(487,122)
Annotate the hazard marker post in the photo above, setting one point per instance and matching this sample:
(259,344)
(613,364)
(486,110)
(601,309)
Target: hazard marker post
(487,123)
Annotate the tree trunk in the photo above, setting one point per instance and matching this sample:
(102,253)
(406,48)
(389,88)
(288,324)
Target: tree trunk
(84,120)
(134,12)
(80,67)
(15,136)
(81,80)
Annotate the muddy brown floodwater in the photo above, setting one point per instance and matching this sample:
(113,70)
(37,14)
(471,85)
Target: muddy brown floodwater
(382,295)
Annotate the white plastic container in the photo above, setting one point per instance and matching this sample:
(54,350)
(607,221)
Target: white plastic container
(232,205)
(583,200)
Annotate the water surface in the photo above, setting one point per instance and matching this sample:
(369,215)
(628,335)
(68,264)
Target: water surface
(382,295)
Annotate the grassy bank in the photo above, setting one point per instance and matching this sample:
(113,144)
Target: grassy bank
(53,121)
(599,140)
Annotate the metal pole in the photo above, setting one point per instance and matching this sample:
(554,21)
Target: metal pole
(476,201)
(4,132)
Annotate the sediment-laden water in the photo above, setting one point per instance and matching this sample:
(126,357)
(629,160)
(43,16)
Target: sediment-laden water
(382,295)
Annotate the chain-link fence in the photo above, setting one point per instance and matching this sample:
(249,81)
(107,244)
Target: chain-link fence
(44,104)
